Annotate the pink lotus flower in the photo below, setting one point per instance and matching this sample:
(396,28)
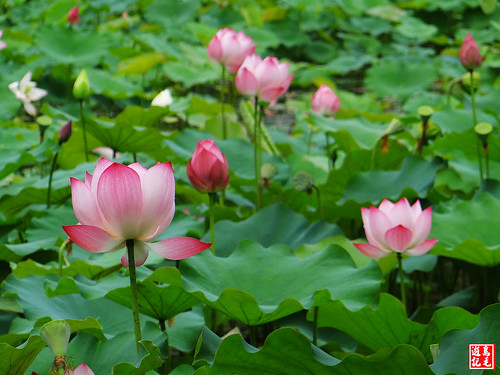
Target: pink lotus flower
(469,54)
(325,102)
(2,44)
(119,203)
(208,170)
(73,15)
(396,228)
(83,369)
(230,48)
(267,79)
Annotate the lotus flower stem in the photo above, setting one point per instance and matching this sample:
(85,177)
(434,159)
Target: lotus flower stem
(61,255)
(315,325)
(52,168)
(222,86)
(84,131)
(401,279)
(320,207)
(133,289)
(256,151)
(474,122)
(212,198)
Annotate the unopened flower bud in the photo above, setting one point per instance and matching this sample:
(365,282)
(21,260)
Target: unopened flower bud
(65,132)
(74,15)
(81,88)
(469,54)
(56,335)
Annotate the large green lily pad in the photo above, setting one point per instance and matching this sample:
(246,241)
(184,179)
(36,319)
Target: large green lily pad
(257,285)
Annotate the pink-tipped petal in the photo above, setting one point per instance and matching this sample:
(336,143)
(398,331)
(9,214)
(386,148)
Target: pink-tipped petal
(376,225)
(83,369)
(158,193)
(214,49)
(423,248)
(398,238)
(141,252)
(93,239)
(271,94)
(178,247)
(100,167)
(120,200)
(245,82)
(401,214)
(386,206)
(422,227)
(371,251)
(138,168)
(84,203)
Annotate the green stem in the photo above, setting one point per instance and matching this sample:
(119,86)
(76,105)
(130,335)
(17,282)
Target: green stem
(330,162)
(402,279)
(320,208)
(256,152)
(222,86)
(133,290)
(61,255)
(52,168)
(212,198)
(84,131)
(474,122)
(315,325)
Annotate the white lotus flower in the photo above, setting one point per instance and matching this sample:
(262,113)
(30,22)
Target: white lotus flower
(27,92)
(163,99)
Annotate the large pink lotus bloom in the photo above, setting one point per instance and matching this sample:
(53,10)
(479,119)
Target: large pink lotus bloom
(74,15)
(83,369)
(325,102)
(469,54)
(267,79)
(208,170)
(119,203)
(396,227)
(230,48)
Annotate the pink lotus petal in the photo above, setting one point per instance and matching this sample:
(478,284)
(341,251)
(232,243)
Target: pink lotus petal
(398,238)
(93,239)
(371,251)
(416,210)
(422,227)
(376,226)
(158,193)
(101,166)
(271,94)
(83,369)
(138,168)
(214,49)
(423,248)
(401,214)
(267,73)
(386,206)
(84,204)
(245,82)
(178,247)
(119,197)
(141,252)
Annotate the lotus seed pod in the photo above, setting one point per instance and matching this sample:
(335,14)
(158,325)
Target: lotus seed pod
(469,84)
(268,171)
(56,335)
(302,181)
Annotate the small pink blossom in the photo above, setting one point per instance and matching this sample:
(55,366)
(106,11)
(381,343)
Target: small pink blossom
(119,203)
(325,102)
(267,79)
(230,48)
(83,369)
(396,227)
(74,15)
(208,170)
(469,54)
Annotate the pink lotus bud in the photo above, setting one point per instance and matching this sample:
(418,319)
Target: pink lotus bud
(469,54)
(396,227)
(119,203)
(208,170)
(325,102)
(74,15)
(267,79)
(230,48)
(83,369)
(2,44)
(65,132)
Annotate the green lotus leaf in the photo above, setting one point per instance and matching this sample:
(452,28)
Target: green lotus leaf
(454,344)
(283,226)
(112,86)
(17,360)
(286,351)
(285,283)
(388,325)
(149,362)
(416,176)
(463,229)
(69,47)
